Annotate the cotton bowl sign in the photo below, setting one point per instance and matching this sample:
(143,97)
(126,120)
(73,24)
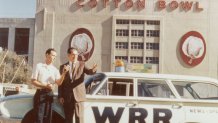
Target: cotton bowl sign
(82,39)
(192,48)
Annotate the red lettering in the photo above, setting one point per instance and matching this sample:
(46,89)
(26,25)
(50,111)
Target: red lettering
(92,3)
(161,4)
(198,8)
(79,3)
(116,3)
(140,4)
(105,3)
(128,4)
(173,5)
(186,5)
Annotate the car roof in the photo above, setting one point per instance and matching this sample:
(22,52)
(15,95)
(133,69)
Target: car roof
(159,76)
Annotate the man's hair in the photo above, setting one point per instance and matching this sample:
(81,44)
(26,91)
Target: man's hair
(70,50)
(48,51)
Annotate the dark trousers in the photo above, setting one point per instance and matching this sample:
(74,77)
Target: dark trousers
(43,106)
(72,107)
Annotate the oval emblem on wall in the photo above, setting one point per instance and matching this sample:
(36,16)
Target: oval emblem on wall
(83,41)
(192,48)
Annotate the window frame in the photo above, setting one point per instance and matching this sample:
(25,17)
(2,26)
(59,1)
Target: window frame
(105,81)
(4,37)
(152,46)
(137,45)
(122,32)
(152,60)
(123,58)
(166,82)
(136,59)
(153,33)
(121,45)
(22,36)
(189,81)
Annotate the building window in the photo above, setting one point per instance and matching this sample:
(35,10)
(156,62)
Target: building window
(121,45)
(153,33)
(152,46)
(152,22)
(137,45)
(136,59)
(137,22)
(21,41)
(139,33)
(122,32)
(152,60)
(4,37)
(123,58)
(122,21)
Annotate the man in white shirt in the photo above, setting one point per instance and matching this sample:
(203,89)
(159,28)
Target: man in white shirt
(44,76)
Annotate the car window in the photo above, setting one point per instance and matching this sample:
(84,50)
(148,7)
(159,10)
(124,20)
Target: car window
(154,88)
(93,81)
(92,86)
(206,90)
(196,90)
(183,91)
(117,87)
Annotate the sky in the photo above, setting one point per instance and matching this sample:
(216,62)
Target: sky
(17,8)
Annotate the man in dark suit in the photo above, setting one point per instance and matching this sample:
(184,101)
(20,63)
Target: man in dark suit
(72,92)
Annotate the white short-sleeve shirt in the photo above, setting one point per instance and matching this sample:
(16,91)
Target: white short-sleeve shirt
(45,73)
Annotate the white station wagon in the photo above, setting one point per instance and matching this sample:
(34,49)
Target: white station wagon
(132,98)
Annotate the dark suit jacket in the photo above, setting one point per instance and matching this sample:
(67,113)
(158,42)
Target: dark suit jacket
(76,86)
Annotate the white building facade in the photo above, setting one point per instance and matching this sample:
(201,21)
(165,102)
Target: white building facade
(158,36)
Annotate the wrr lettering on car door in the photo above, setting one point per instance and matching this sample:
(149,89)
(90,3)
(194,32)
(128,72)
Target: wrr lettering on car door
(135,114)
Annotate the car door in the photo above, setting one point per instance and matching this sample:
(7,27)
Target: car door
(158,102)
(111,101)
(200,100)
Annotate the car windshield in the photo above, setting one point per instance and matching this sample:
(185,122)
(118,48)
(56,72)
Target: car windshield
(196,90)
(93,81)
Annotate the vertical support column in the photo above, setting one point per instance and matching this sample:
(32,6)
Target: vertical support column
(129,41)
(161,46)
(52,29)
(144,41)
(31,45)
(11,38)
(113,44)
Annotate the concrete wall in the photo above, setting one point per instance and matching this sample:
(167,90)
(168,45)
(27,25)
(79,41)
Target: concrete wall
(57,20)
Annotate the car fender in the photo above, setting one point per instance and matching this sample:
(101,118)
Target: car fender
(17,106)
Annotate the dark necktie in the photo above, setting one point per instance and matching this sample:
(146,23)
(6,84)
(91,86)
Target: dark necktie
(72,69)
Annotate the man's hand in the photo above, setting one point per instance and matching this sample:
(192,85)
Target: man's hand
(49,86)
(66,68)
(61,100)
(94,68)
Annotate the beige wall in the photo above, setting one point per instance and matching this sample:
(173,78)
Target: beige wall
(56,20)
